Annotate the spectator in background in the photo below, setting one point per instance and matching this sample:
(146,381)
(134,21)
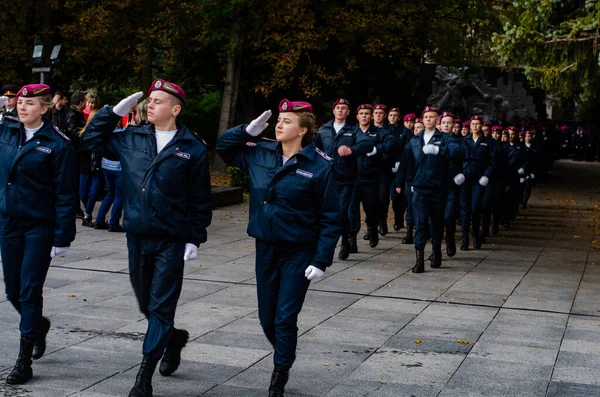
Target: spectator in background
(74,120)
(60,109)
(90,177)
(92,102)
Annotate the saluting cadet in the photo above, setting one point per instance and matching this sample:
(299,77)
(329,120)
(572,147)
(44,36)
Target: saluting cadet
(428,156)
(455,171)
(367,183)
(166,188)
(294,216)
(480,163)
(10,106)
(38,203)
(342,143)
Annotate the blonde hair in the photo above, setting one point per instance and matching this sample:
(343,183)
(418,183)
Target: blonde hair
(90,117)
(141,112)
(92,96)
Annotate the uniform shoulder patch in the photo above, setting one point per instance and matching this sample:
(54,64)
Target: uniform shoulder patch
(59,132)
(11,118)
(268,139)
(323,154)
(199,138)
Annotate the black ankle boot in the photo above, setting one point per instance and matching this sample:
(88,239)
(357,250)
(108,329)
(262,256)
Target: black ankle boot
(39,348)
(409,235)
(373,237)
(143,380)
(419,266)
(436,258)
(465,242)
(477,240)
(450,246)
(383,228)
(22,372)
(353,244)
(172,357)
(344,249)
(367,235)
(279,379)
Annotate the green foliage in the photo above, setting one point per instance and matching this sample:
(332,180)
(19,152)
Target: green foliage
(202,115)
(237,177)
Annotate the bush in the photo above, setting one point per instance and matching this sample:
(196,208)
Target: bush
(238,178)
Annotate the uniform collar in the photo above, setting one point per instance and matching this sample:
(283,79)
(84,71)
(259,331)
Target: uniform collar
(307,151)
(182,132)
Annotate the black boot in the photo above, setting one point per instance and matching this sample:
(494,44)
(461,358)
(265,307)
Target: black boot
(143,380)
(353,244)
(450,246)
(476,240)
(436,258)
(383,228)
(345,248)
(398,224)
(495,228)
(419,266)
(39,348)
(22,372)
(409,235)
(367,235)
(172,357)
(465,242)
(279,379)
(483,237)
(374,238)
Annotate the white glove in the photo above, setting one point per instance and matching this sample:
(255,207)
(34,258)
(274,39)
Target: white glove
(122,108)
(521,171)
(373,153)
(532,176)
(3,100)
(191,252)
(521,180)
(258,125)
(396,166)
(459,179)
(431,149)
(483,181)
(56,251)
(312,272)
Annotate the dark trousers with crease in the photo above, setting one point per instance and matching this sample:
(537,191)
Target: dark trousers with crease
(345,191)
(25,246)
(385,184)
(156,273)
(471,200)
(428,209)
(281,288)
(365,192)
(451,211)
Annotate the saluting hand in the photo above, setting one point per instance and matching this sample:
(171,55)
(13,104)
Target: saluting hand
(396,166)
(344,151)
(258,125)
(3,100)
(123,107)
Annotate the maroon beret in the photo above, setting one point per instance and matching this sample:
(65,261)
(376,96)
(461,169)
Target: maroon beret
(395,110)
(410,117)
(465,124)
(457,121)
(340,101)
(429,109)
(32,90)
(476,117)
(380,106)
(364,106)
(488,123)
(446,114)
(496,128)
(419,120)
(169,88)
(293,107)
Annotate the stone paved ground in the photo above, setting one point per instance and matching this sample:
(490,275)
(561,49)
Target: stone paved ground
(519,318)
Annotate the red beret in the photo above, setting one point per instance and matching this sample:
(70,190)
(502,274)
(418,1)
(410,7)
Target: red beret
(340,101)
(488,123)
(429,109)
(511,128)
(395,110)
(169,88)
(476,117)
(457,121)
(32,90)
(523,132)
(410,117)
(496,128)
(380,106)
(364,106)
(564,128)
(446,114)
(465,124)
(419,120)
(293,107)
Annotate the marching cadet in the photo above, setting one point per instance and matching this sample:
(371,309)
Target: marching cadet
(294,216)
(166,188)
(369,173)
(480,163)
(464,131)
(486,128)
(10,107)
(398,200)
(402,182)
(38,202)
(455,171)
(428,156)
(457,127)
(531,159)
(516,193)
(335,137)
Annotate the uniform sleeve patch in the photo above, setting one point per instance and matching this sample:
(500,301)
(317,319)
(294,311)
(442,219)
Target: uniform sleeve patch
(59,132)
(251,144)
(323,154)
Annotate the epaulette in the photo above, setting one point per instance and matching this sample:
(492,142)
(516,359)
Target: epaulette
(61,133)
(323,154)
(268,139)
(199,138)
(11,118)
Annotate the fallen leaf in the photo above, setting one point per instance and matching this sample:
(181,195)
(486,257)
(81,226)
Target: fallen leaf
(357,279)
(417,341)
(72,296)
(471,299)
(463,342)
(576,236)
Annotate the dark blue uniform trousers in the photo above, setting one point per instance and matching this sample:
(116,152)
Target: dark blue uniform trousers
(367,192)
(398,205)
(281,287)
(428,208)
(345,191)
(490,199)
(25,248)
(451,210)
(385,184)
(471,201)
(410,219)
(156,274)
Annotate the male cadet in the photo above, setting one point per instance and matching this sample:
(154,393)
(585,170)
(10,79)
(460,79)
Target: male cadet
(456,173)
(480,163)
(464,131)
(419,126)
(10,107)
(516,192)
(400,132)
(339,141)
(166,186)
(428,158)
(387,136)
(367,183)
(457,126)
(486,128)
